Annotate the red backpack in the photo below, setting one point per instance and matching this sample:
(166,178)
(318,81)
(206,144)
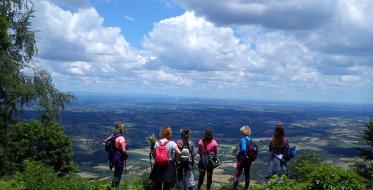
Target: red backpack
(161,154)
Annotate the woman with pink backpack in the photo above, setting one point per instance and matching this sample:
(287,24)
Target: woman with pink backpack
(163,174)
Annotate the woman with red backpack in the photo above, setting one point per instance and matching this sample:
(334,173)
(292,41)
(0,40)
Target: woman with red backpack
(207,148)
(163,174)
(243,159)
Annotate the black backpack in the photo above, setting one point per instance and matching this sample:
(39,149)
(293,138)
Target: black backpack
(110,145)
(251,151)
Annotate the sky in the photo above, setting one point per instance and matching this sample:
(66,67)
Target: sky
(310,50)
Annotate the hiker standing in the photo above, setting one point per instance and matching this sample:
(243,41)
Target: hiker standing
(185,162)
(164,170)
(277,146)
(115,145)
(207,148)
(247,151)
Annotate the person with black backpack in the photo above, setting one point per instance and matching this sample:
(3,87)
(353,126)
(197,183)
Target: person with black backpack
(186,161)
(115,146)
(280,153)
(163,174)
(247,153)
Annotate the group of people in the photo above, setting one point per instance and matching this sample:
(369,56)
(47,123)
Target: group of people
(174,161)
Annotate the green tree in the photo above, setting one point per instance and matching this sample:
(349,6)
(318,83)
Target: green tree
(22,83)
(364,167)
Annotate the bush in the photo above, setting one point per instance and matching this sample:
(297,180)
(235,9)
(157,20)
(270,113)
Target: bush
(304,163)
(34,141)
(327,177)
(38,176)
(143,182)
(10,185)
(228,186)
(283,183)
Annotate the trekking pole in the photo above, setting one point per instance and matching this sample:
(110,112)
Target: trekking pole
(150,161)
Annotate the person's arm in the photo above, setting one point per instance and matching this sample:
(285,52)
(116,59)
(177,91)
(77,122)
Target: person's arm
(177,150)
(270,146)
(109,137)
(199,148)
(124,148)
(240,148)
(216,148)
(193,151)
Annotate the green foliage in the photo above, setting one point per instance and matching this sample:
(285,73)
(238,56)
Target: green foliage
(228,186)
(283,183)
(38,176)
(21,82)
(143,182)
(304,163)
(35,141)
(327,177)
(364,167)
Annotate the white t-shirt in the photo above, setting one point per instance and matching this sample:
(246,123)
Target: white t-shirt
(170,146)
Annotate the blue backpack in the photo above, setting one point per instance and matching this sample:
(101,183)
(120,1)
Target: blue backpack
(289,152)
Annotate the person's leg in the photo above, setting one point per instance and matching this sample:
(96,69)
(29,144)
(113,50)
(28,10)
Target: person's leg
(189,180)
(209,178)
(118,171)
(247,174)
(166,186)
(201,177)
(180,184)
(237,174)
(157,185)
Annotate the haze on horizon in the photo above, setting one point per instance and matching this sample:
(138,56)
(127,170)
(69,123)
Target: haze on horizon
(311,50)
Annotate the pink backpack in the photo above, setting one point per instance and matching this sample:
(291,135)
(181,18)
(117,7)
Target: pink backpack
(161,154)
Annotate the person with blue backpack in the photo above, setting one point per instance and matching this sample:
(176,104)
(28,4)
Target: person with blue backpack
(247,153)
(281,153)
(116,147)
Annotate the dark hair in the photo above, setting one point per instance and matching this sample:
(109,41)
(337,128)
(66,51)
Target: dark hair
(278,136)
(185,133)
(208,134)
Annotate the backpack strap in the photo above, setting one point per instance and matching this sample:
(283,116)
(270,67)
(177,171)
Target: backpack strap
(162,144)
(247,141)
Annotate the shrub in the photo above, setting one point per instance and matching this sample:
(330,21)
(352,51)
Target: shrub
(228,186)
(327,177)
(283,183)
(38,176)
(34,141)
(304,163)
(143,182)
